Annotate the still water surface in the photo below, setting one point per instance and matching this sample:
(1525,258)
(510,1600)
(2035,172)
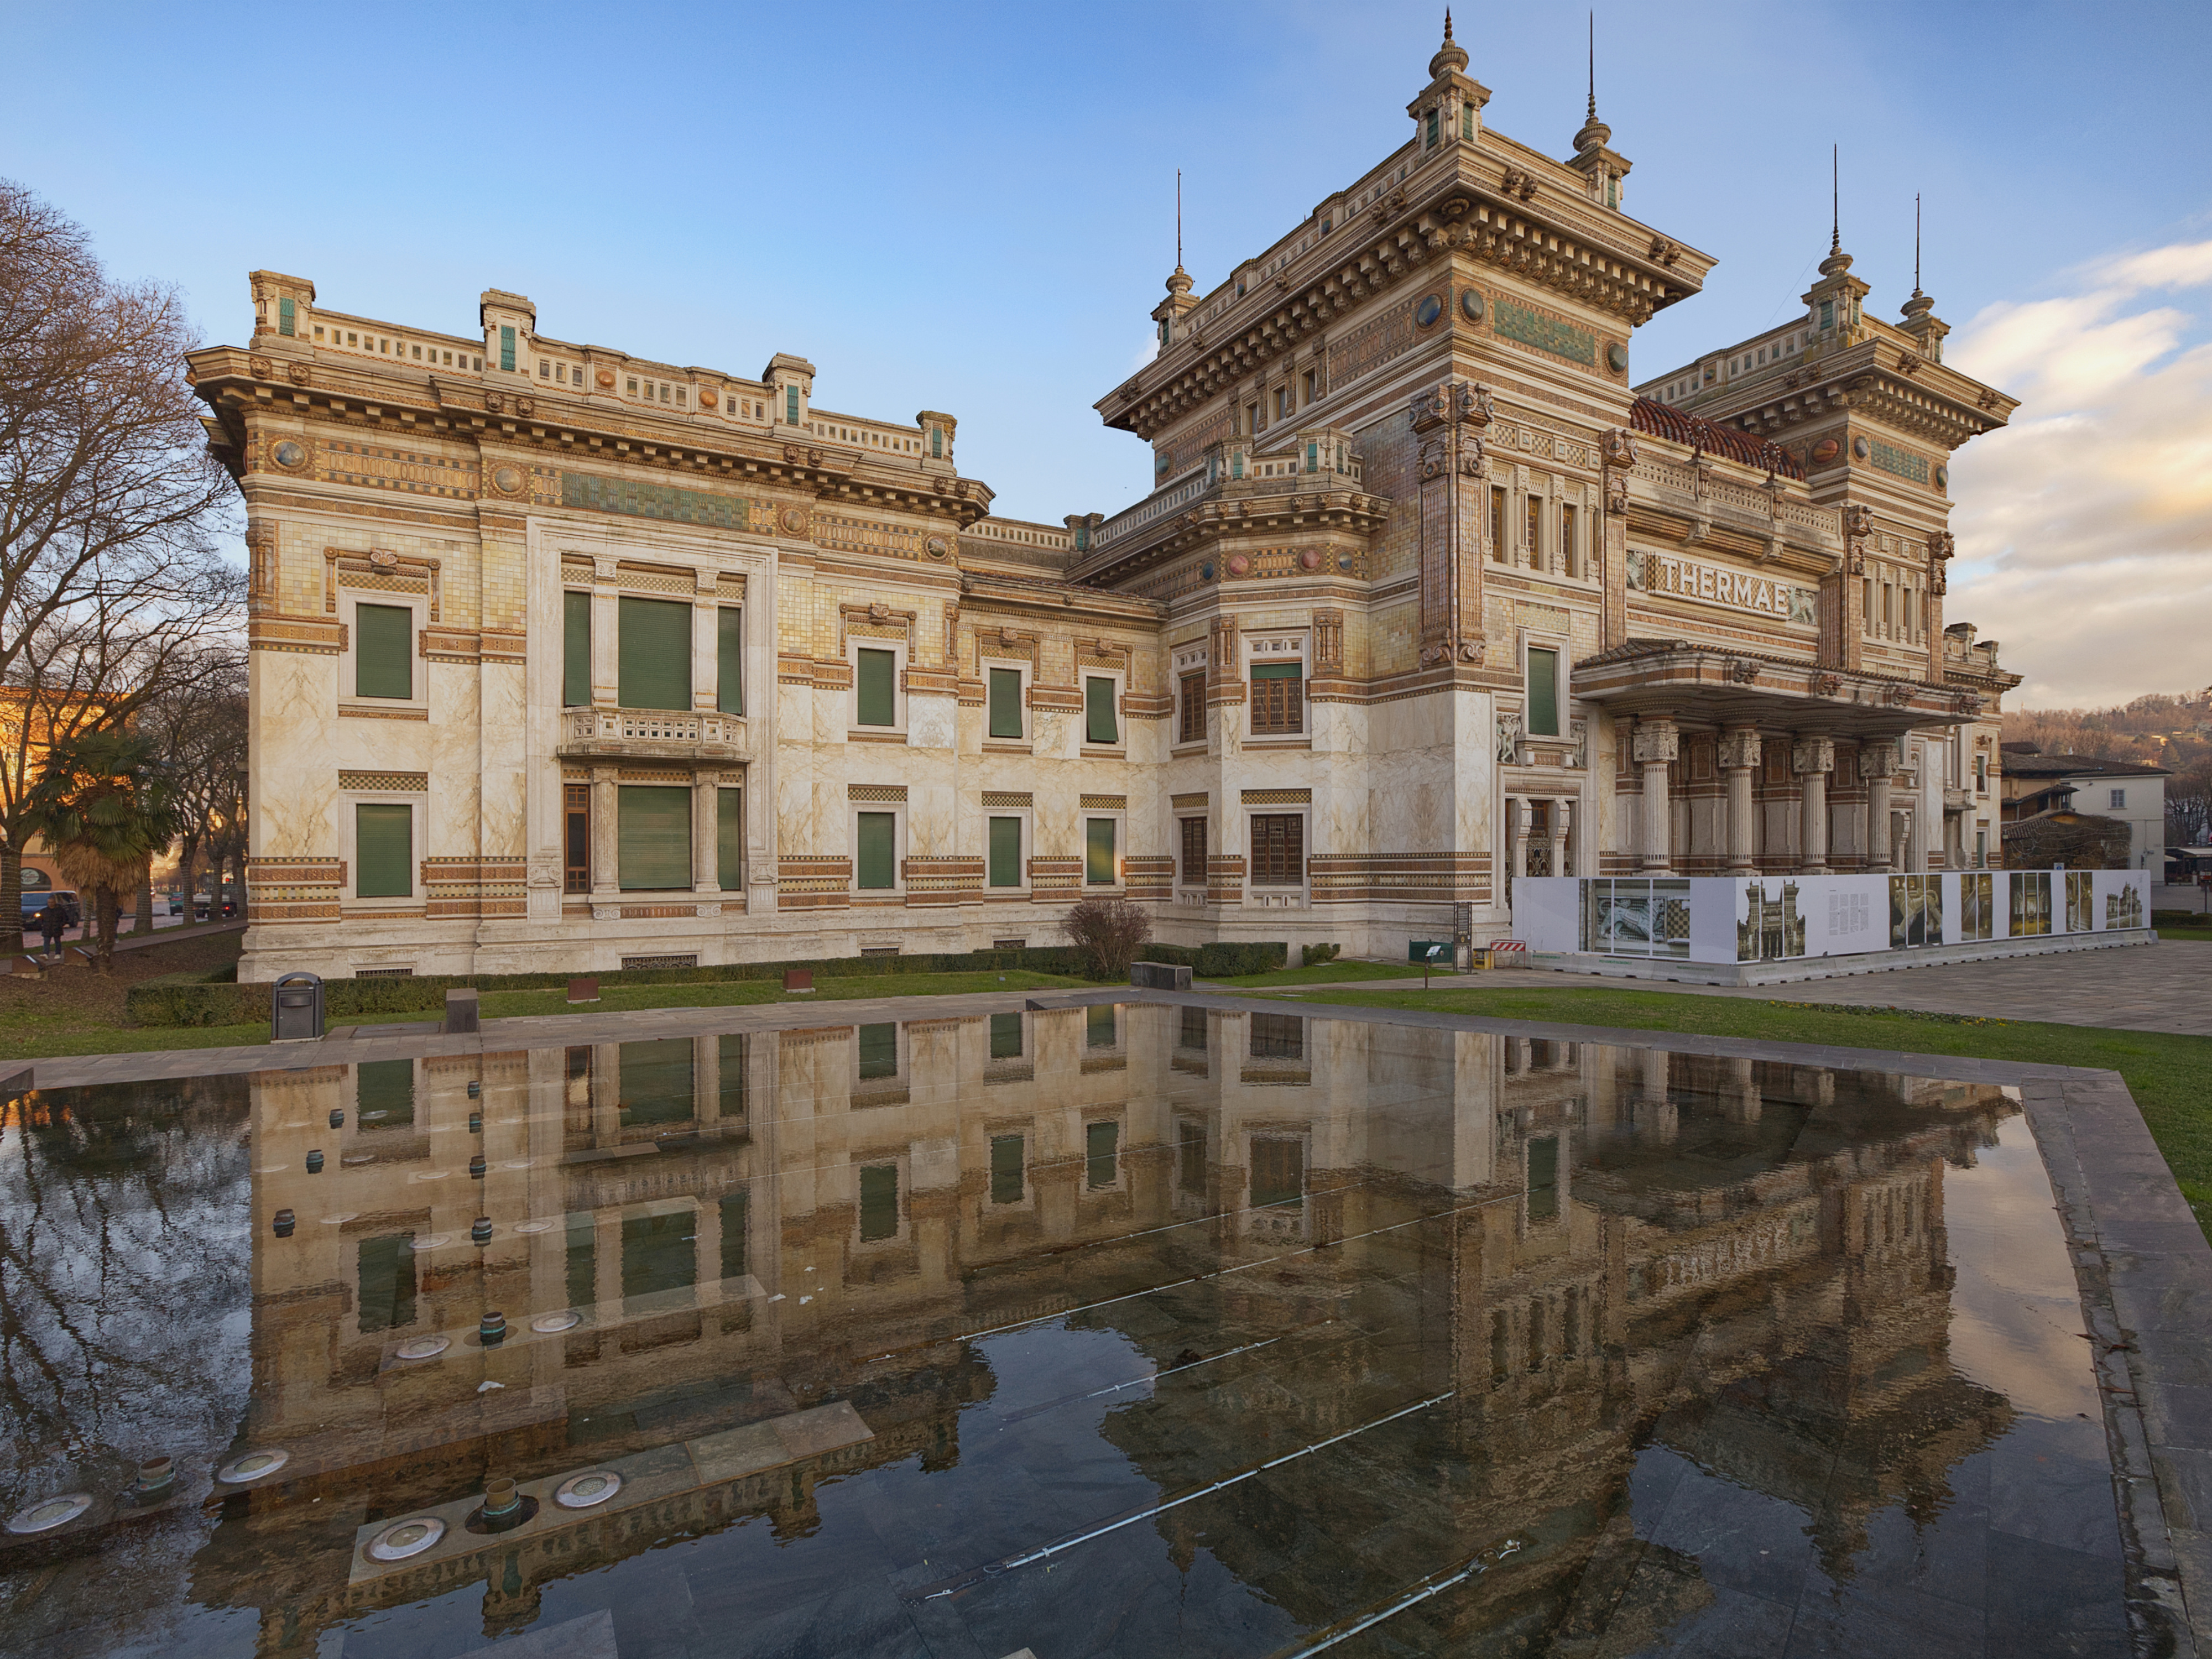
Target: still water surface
(1133,1330)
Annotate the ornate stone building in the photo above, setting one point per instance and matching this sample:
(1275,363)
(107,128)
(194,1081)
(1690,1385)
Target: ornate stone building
(566,660)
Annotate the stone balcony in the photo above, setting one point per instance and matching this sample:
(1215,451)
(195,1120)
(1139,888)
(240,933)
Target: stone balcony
(653,734)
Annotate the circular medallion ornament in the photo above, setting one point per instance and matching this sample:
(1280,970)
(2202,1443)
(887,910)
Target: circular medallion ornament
(582,1492)
(1471,306)
(1205,573)
(1616,358)
(1239,564)
(1825,450)
(508,480)
(50,1512)
(606,378)
(408,1538)
(1310,559)
(936,547)
(290,454)
(708,399)
(1859,449)
(254,1466)
(794,521)
(1428,311)
(1942,477)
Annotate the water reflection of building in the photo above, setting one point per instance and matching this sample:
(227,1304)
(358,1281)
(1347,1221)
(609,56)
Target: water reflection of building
(777,1245)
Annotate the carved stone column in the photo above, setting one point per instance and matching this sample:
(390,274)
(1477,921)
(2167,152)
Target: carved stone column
(605,839)
(706,835)
(1656,744)
(1449,419)
(1877,761)
(1740,751)
(1610,545)
(1518,810)
(1558,836)
(1813,759)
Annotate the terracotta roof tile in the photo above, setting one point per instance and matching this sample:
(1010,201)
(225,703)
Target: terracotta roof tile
(1662,421)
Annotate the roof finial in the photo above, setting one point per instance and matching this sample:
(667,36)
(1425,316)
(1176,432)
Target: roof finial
(1594,133)
(1919,305)
(1593,65)
(1835,198)
(1178,218)
(1447,22)
(1916,241)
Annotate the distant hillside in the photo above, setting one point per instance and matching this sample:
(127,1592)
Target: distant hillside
(2159,730)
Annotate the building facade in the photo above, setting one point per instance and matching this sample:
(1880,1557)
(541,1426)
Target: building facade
(566,660)
(2128,792)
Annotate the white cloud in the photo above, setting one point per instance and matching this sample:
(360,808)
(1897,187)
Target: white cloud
(2085,526)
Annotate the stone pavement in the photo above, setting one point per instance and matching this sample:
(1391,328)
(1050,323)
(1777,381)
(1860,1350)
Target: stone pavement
(2166,987)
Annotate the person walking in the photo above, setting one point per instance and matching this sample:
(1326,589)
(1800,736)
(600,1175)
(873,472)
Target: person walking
(49,924)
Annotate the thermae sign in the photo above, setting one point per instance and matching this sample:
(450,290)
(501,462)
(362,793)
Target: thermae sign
(1694,579)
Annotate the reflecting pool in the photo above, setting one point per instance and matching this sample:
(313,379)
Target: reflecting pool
(1131,1329)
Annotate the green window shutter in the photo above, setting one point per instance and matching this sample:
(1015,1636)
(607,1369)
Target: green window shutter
(575,650)
(383,653)
(736,1209)
(1006,1172)
(653,829)
(1005,853)
(1006,1036)
(736,1050)
(657,1086)
(285,316)
(507,349)
(1006,702)
(387,1283)
(730,839)
(384,850)
(1543,692)
(879,1213)
(1100,1027)
(1100,1142)
(1098,725)
(937,443)
(1277,671)
(877,833)
(383,1094)
(730,661)
(1313,458)
(877,675)
(658,1253)
(791,405)
(879,1051)
(1098,852)
(1544,1179)
(583,1264)
(653,646)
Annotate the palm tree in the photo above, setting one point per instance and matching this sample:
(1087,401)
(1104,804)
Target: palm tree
(103,811)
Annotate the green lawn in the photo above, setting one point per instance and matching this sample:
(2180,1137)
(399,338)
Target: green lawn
(1324,973)
(2170,1077)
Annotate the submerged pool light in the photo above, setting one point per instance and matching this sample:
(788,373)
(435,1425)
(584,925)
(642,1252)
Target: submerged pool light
(50,1512)
(404,1539)
(253,1465)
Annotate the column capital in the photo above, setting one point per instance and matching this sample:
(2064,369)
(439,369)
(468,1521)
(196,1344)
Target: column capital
(1878,760)
(1812,755)
(1740,748)
(1655,739)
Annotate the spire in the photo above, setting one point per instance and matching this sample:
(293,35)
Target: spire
(1919,303)
(1837,260)
(1594,134)
(1179,283)
(1450,55)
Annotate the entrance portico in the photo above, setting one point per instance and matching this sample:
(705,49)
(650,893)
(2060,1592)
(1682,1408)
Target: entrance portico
(1737,764)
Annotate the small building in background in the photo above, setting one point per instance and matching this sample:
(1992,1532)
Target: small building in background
(2085,787)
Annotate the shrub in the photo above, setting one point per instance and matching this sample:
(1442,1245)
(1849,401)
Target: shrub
(1108,932)
(1312,956)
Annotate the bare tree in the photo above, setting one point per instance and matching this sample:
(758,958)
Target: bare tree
(110,506)
(1109,932)
(199,723)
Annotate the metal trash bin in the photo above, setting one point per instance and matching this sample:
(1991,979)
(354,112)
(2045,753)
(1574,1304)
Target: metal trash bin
(295,1009)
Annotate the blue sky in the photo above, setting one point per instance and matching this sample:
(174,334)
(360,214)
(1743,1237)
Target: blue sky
(972,208)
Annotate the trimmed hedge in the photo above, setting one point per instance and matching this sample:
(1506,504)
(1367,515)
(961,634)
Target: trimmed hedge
(217,999)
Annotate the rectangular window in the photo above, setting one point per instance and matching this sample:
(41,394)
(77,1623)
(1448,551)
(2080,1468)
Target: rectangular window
(1005,862)
(1566,539)
(876,843)
(1282,403)
(1190,1033)
(387,1269)
(734,1051)
(2120,800)
(1101,1029)
(1498,548)
(1007,1180)
(576,838)
(384,850)
(875,679)
(1098,852)
(1466,120)
(1827,314)
(1432,129)
(1278,697)
(1192,728)
(736,1214)
(654,652)
(383,652)
(1544,1178)
(575,650)
(1100,1143)
(1006,1036)
(658,1253)
(791,405)
(1251,419)
(658,1084)
(1005,708)
(1543,692)
(1981,849)
(383,1094)
(1194,852)
(1277,1036)
(285,314)
(582,1263)
(507,349)
(878,1053)
(1313,457)
(879,1208)
(1278,1172)
(1532,532)
(1981,774)
(1278,849)
(730,839)
(1308,385)
(730,661)
(653,825)
(1099,725)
